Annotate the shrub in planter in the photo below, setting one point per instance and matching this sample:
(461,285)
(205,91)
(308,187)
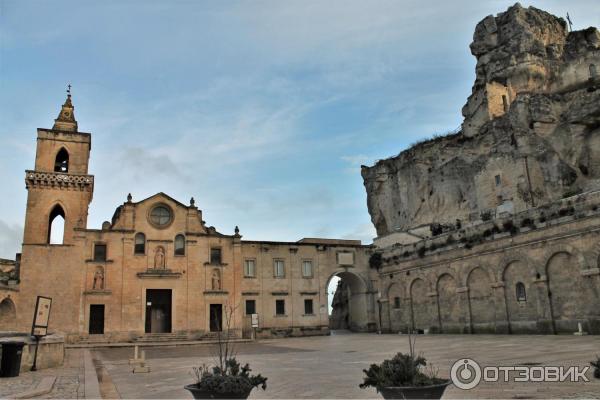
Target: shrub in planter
(227,379)
(405,377)
(231,382)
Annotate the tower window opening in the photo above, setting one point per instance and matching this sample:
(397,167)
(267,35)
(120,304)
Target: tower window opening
(593,71)
(56,226)
(61,164)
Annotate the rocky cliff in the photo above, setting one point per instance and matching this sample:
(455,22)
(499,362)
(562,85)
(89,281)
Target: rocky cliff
(531,130)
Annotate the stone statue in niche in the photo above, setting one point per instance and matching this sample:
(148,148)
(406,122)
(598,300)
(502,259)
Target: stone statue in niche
(159,258)
(216,279)
(98,279)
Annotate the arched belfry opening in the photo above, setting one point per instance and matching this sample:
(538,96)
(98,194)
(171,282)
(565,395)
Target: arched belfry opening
(56,225)
(348,302)
(61,164)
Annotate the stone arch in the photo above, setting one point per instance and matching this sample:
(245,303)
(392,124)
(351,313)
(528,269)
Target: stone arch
(481,300)
(507,259)
(448,303)
(351,306)
(522,315)
(8,314)
(423,313)
(595,256)
(466,273)
(566,248)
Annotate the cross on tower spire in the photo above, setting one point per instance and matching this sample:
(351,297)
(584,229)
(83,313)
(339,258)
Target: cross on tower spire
(66,118)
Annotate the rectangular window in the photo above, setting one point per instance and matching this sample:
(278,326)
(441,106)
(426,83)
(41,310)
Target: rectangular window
(498,180)
(99,252)
(396,302)
(279,307)
(278,269)
(307,269)
(308,307)
(215,255)
(250,307)
(250,268)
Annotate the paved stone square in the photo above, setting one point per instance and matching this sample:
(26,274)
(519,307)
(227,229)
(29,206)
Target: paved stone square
(69,382)
(331,366)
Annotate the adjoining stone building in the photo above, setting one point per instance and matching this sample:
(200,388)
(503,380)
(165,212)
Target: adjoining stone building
(157,268)
(496,228)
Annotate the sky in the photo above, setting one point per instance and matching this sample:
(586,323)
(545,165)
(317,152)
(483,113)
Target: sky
(263,111)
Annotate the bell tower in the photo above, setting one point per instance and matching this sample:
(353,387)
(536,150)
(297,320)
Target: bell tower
(59,187)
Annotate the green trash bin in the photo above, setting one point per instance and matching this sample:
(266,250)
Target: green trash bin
(11,358)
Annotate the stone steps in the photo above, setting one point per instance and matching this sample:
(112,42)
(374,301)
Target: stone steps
(162,337)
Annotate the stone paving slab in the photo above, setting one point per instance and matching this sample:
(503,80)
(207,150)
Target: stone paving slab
(331,366)
(45,386)
(69,382)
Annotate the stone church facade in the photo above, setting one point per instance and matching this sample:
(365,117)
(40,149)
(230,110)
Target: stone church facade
(156,269)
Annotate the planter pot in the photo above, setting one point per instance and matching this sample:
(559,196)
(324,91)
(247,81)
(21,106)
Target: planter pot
(201,394)
(414,392)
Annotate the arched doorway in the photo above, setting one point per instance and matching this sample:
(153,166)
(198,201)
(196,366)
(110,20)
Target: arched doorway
(348,303)
(8,315)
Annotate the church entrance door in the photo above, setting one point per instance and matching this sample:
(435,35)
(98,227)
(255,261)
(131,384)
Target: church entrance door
(158,310)
(96,326)
(216,317)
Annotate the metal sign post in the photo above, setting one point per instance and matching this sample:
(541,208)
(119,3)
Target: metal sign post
(39,327)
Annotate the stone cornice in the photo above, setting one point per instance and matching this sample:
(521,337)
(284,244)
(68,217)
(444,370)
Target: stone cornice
(36,179)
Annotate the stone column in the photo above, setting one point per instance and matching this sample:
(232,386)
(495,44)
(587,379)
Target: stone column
(592,275)
(434,305)
(463,299)
(386,319)
(545,323)
(502,321)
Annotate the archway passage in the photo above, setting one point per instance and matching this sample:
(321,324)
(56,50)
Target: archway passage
(348,303)
(8,315)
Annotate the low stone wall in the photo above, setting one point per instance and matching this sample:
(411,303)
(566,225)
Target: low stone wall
(51,350)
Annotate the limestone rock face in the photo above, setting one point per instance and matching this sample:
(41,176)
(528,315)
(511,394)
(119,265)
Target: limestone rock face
(531,132)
